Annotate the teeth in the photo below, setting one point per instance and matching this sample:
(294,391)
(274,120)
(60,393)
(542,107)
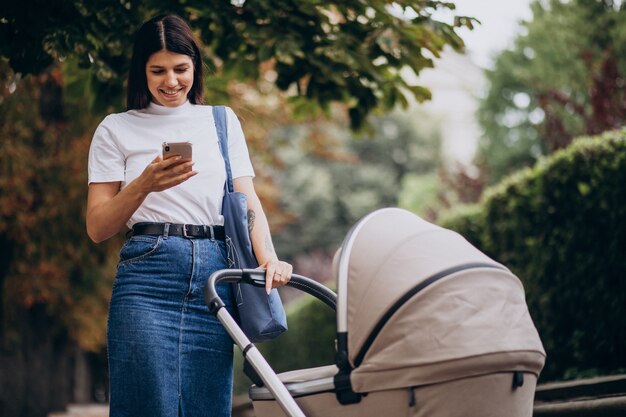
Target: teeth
(170,92)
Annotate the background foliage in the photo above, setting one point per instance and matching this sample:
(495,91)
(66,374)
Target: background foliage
(320,51)
(560,227)
(563,78)
(48,259)
(326,189)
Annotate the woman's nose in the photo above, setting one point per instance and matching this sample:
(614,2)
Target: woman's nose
(171,79)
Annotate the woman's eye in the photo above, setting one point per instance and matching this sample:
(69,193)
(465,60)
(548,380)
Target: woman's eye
(176,70)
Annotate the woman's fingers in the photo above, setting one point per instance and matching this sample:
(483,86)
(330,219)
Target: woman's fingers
(282,274)
(174,160)
(172,181)
(270,270)
(277,273)
(163,174)
(179,168)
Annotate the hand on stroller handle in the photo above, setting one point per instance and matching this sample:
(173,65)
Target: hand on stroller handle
(256,277)
(253,356)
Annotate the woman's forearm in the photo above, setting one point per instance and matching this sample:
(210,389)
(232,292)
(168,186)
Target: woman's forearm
(260,235)
(258,225)
(109,210)
(277,272)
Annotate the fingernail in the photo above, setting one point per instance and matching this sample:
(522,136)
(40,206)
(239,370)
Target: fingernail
(268,291)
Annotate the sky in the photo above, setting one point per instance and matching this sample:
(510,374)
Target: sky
(499,25)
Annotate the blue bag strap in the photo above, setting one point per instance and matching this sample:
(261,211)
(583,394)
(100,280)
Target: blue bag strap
(219,116)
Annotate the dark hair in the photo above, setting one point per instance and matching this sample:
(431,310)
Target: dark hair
(162,33)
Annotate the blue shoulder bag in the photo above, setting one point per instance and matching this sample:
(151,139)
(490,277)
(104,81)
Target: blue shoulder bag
(261,316)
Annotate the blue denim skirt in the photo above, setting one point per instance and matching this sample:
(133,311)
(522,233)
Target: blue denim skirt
(168,356)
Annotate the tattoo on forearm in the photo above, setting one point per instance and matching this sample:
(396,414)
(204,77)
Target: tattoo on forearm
(251,217)
(268,244)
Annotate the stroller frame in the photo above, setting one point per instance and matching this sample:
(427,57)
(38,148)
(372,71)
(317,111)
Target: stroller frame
(250,352)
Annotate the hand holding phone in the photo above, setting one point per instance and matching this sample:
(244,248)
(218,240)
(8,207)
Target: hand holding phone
(177,148)
(164,173)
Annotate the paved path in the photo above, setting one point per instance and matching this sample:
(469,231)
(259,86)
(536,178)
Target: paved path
(83,410)
(241,408)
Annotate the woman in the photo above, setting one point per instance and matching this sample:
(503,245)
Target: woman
(167,355)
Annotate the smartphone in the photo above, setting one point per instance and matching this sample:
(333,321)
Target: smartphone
(177,148)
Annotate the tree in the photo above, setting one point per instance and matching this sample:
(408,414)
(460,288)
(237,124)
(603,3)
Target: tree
(326,189)
(564,77)
(321,51)
(54,283)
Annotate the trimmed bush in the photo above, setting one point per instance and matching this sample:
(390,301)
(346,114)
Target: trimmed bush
(561,227)
(310,340)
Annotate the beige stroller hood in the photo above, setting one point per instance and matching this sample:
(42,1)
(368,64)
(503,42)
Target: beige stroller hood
(421,305)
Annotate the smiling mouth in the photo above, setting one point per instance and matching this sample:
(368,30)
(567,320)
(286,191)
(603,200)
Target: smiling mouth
(171,92)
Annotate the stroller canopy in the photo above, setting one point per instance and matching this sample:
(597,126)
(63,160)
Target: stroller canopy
(421,305)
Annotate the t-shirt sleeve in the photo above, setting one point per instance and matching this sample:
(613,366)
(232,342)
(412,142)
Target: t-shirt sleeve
(237,149)
(106,160)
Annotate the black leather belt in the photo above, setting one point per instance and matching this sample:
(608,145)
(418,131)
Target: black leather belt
(186,230)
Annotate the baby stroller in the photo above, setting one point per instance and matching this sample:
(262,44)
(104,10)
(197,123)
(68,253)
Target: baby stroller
(427,325)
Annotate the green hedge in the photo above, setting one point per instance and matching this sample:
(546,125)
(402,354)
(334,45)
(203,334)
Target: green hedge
(561,227)
(310,340)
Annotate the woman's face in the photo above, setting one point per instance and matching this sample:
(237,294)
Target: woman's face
(170,77)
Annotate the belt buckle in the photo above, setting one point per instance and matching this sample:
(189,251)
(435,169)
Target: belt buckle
(185,231)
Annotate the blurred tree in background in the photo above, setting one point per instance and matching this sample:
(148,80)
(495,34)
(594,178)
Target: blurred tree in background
(326,189)
(53,282)
(322,51)
(63,66)
(565,76)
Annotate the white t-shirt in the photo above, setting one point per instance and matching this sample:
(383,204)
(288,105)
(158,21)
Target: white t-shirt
(125,143)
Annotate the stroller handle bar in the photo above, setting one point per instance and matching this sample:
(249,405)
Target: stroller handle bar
(256,277)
